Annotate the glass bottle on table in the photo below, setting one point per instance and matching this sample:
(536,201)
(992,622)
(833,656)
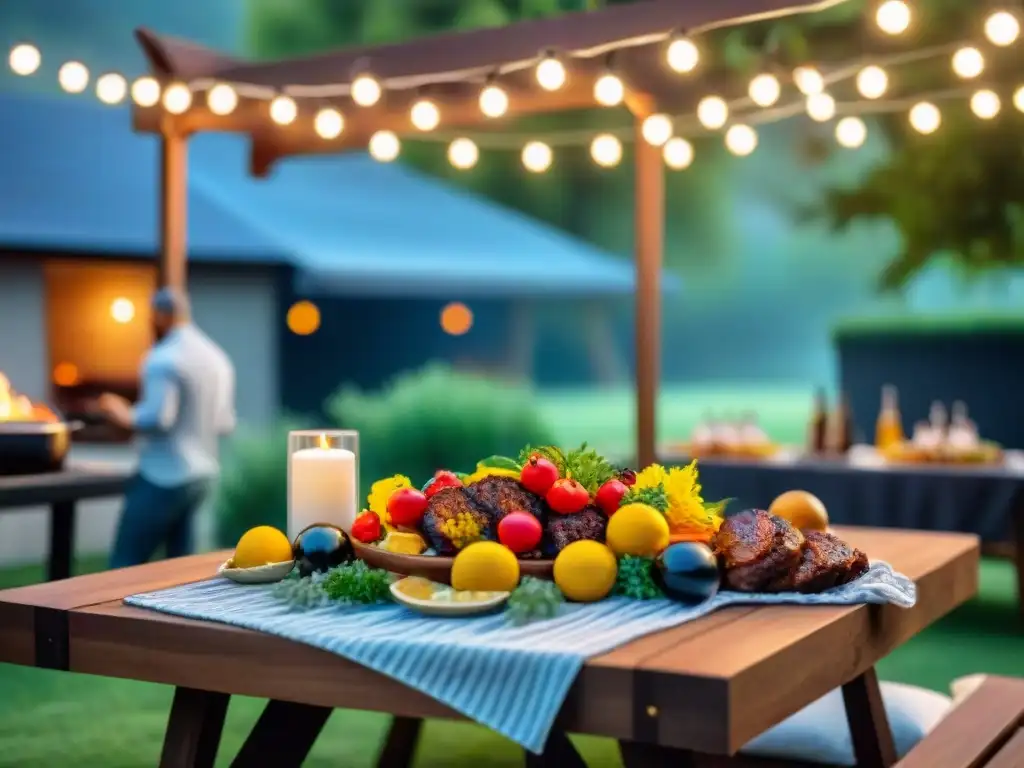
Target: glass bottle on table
(839,438)
(889,426)
(819,422)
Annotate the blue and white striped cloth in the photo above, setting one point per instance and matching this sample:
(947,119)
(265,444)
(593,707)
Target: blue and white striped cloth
(513,680)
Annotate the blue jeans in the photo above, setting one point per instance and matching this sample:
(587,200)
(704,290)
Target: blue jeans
(154,515)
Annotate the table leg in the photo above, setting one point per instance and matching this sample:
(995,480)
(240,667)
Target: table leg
(869,725)
(1018,555)
(400,745)
(283,736)
(62,540)
(193,729)
(559,752)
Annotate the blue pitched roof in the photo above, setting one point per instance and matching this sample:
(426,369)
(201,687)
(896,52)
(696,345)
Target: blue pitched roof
(78,179)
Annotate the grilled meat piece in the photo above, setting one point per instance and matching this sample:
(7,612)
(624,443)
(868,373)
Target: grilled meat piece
(497,496)
(589,523)
(758,550)
(452,521)
(827,562)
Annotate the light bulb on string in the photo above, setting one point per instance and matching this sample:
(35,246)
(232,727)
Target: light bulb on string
(425,115)
(968,63)
(609,90)
(682,55)
(925,117)
(712,112)
(677,153)
(111,88)
(550,73)
(283,110)
(177,98)
(222,99)
(463,153)
(821,107)
(493,101)
(537,157)
(1018,98)
(606,150)
(384,146)
(893,17)
(656,129)
(366,91)
(808,80)
(851,132)
(146,92)
(872,82)
(986,104)
(765,90)
(73,76)
(1002,28)
(741,139)
(328,123)
(25,59)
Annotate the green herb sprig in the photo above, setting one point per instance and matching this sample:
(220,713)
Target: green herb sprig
(357,583)
(534,599)
(635,579)
(585,465)
(653,496)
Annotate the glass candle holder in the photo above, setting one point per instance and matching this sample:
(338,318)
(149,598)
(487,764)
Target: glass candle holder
(323,479)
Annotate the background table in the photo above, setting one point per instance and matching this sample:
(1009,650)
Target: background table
(61,491)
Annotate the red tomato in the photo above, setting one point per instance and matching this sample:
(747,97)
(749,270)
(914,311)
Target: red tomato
(609,496)
(567,496)
(520,531)
(406,507)
(538,475)
(442,479)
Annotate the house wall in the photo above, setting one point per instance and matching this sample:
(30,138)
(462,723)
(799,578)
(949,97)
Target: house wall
(23,356)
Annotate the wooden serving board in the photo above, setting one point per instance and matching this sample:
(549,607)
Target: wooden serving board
(436,567)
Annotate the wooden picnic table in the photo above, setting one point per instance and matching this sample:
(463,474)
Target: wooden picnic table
(61,492)
(685,696)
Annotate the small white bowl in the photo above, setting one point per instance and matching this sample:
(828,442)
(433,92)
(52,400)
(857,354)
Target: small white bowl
(447,607)
(262,574)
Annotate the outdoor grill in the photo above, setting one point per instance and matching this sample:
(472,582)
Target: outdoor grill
(33,438)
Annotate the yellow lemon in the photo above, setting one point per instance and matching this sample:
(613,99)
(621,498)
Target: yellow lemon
(637,529)
(485,566)
(261,546)
(585,571)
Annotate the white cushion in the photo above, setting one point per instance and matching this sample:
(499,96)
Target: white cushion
(819,733)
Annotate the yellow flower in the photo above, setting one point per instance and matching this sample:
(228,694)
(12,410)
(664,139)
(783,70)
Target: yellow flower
(686,510)
(651,477)
(482,472)
(381,491)
(462,529)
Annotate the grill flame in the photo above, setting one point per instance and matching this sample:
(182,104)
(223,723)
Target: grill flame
(15,407)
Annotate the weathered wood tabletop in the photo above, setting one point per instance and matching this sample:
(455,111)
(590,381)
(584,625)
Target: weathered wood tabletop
(707,687)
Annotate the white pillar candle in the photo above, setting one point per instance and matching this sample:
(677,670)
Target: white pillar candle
(321,489)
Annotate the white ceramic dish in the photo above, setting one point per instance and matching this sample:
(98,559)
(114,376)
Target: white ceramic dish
(263,574)
(448,607)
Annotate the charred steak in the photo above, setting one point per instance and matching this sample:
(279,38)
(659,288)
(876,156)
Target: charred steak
(497,496)
(758,550)
(826,562)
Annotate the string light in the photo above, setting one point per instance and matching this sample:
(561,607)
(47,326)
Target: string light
(609,90)
(893,17)
(463,153)
(808,80)
(1018,99)
(851,132)
(384,146)
(656,129)
(25,59)
(1002,28)
(73,76)
(328,123)
(712,112)
(425,115)
(550,73)
(493,101)
(366,90)
(678,153)
(537,157)
(986,104)
(146,92)
(821,107)
(872,82)
(111,88)
(606,150)
(283,110)
(925,117)
(222,99)
(741,139)
(682,55)
(765,90)
(177,98)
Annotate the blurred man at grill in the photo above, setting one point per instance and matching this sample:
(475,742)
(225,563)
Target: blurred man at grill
(187,404)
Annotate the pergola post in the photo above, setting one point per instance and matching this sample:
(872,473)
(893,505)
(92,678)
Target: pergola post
(173,265)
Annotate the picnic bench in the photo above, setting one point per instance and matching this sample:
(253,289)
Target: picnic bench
(689,696)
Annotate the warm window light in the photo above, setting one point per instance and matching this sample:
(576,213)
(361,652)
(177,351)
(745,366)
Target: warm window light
(66,374)
(968,63)
(384,146)
(925,117)
(657,129)
(73,76)
(1018,99)
(537,157)
(986,104)
(177,98)
(366,91)
(893,17)
(303,318)
(222,99)
(851,132)
(682,55)
(741,140)
(456,319)
(606,150)
(678,153)
(111,88)
(551,73)
(122,310)
(808,80)
(1002,28)
(821,107)
(146,92)
(328,124)
(609,90)
(283,110)
(425,115)
(764,90)
(463,153)
(872,82)
(25,59)
(712,112)
(493,101)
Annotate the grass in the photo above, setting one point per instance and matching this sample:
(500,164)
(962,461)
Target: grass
(964,323)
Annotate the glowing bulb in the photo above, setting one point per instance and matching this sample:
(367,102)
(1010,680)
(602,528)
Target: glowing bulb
(328,124)
(712,112)
(537,157)
(925,117)
(808,80)
(177,98)
(550,73)
(146,92)
(73,76)
(609,91)
(463,153)
(365,91)
(1018,99)
(741,139)
(986,104)
(764,90)
(606,150)
(657,129)
(425,115)
(968,63)
(122,310)
(682,55)
(821,107)
(384,146)
(283,110)
(872,82)
(893,17)
(24,59)
(111,88)
(1002,28)
(493,101)
(851,132)
(222,99)
(678,153)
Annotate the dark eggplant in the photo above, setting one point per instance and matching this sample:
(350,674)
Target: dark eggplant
(687,572)
(321,547)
